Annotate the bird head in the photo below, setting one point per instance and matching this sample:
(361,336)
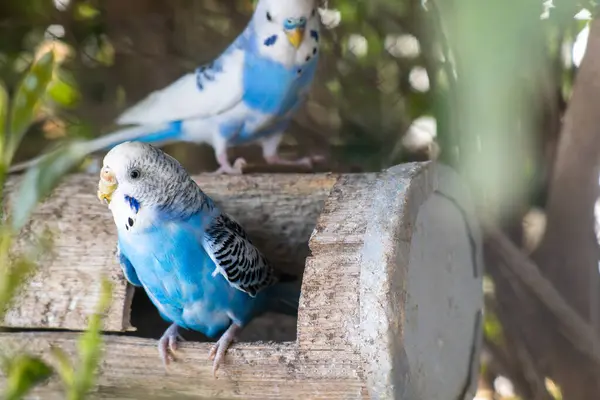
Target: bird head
(141,173)
(281,26)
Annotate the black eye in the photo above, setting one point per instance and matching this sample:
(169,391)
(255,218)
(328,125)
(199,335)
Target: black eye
(269,18)
(134,174)
(314,11)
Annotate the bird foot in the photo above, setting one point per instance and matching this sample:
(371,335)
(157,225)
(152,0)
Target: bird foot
(167,344)
(306,161)
(217,352)
(236,169)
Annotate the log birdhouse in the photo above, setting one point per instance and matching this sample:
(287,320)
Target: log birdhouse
(391,293)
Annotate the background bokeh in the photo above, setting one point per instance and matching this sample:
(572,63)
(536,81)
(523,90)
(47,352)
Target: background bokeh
(487,87)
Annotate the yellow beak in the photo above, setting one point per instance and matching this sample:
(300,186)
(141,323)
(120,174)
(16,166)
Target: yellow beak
(295,36)
(107,185)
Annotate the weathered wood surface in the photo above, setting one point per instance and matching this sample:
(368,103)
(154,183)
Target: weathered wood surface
(390,306)
(278,212)
(130,369)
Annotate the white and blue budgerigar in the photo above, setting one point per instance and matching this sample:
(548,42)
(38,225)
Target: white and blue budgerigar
(196,263)
(248,94)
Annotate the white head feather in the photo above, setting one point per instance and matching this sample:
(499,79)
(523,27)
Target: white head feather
(145,179)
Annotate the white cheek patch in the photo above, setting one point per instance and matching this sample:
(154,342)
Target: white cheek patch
(309,47)
(276,47)
(127,220)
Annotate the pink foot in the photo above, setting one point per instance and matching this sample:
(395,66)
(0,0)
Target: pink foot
(306,161)
(225,168)
(167,344)
(217,352)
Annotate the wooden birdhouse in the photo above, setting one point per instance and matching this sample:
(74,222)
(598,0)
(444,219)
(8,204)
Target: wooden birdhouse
(391,304)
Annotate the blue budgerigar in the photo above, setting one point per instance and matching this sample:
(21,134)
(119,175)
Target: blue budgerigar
(246,95)
(196,263)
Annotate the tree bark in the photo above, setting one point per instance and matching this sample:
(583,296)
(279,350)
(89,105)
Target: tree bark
(568,254)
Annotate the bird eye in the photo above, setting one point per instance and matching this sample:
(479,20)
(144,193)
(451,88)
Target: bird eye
(134,174)
(269,18)
(302,20)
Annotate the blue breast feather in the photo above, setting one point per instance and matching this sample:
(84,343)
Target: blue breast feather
(270,88)
(176,272)
(268,85)
(294,101)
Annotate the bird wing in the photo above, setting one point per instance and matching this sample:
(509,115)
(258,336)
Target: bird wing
(210,90)
(235,257)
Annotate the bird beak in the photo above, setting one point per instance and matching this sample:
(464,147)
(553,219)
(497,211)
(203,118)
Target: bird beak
(107,185)
(295,36)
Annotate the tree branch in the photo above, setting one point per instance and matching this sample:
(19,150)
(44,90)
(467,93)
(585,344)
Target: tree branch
(577,330)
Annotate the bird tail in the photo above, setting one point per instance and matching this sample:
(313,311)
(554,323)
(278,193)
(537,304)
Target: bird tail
(284,297)
(156,134)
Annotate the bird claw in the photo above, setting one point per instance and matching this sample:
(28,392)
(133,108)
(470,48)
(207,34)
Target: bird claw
(167,344)
(239,164)
(317,158)
(217,355)
(217,352)
(305,161)
(236,169)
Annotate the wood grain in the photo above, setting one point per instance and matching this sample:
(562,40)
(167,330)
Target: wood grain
(278,211)
(130,369)
(390,303)
(330,295)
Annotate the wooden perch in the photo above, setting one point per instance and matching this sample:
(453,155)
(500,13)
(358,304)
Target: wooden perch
(391,296)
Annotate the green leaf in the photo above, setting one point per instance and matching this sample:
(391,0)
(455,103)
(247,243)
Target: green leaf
(492,328)
(12,274)
(63,93)
(64,366)
(3,124)
(80,129)
(348,12)
(418,104)
(334,86)
(23,373)
(26,100)
(90,346)
(86,11)
(375,42)
(106,51)
(42,178)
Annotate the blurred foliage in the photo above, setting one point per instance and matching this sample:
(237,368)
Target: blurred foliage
(26,101)
(23,371)
(79,379)
(480,85)
(386,65)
